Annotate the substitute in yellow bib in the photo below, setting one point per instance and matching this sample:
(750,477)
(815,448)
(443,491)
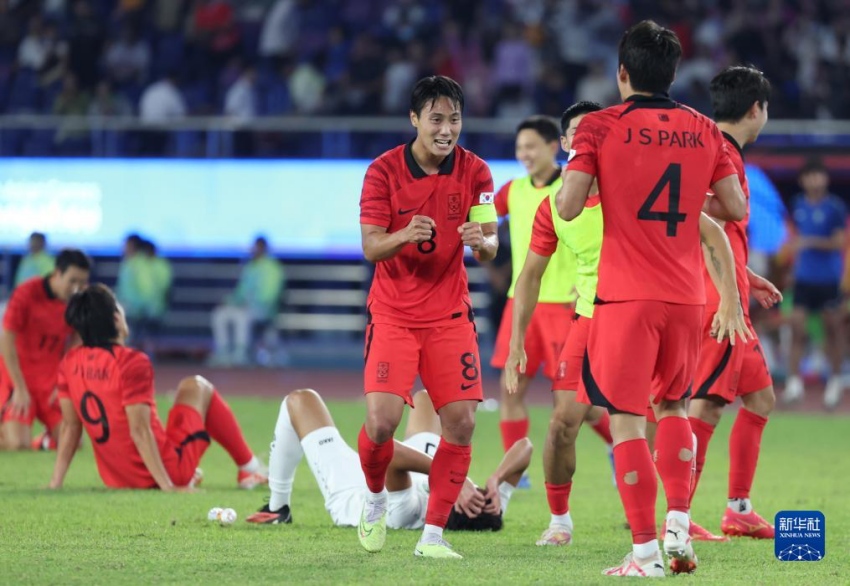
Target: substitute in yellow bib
(537,149)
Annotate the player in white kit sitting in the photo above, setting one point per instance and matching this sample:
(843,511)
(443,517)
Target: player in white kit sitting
(305,428)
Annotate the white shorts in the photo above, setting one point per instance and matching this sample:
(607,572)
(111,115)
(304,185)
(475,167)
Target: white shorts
(407,507)
(337,470)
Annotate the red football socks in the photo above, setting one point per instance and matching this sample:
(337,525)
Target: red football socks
(674,449)
(374,460)
(222,426)
(638,487)
(603,428)
(513,431)
(703,431)
(448,473)
(558,496)
(744,446)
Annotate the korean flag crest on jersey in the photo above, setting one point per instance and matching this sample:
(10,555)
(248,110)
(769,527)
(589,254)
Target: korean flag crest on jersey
(485,198)
(571,155)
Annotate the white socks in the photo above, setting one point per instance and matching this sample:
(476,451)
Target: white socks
(432,534)
(562,521)
(506,490)
(254,465)
(681,518)
(645,550)
(286,454)
(741,506)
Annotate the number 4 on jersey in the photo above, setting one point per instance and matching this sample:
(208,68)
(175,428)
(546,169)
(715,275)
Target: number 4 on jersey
(671,178)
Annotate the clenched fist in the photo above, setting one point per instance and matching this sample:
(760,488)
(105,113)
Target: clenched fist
(419,229)
(471,235)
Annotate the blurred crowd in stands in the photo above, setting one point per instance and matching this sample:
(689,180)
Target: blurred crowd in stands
(162,60)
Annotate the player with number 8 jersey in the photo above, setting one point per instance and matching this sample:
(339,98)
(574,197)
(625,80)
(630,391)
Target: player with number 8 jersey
(422,203)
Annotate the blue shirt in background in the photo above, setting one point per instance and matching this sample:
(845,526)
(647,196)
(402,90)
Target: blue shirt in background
(767,228)
(820,219)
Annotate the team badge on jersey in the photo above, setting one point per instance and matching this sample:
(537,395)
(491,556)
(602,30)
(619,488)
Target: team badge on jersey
(454,206)
(486,198)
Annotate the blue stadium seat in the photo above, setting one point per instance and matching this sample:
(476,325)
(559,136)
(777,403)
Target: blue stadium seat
(25,95)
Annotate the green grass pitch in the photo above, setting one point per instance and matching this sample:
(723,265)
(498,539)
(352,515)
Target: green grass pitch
(88,535)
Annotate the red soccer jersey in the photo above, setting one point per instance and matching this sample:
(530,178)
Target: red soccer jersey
(37,318)
(737,233)
(100,382)
(424,285)
(654,160)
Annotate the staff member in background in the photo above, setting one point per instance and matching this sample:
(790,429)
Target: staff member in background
(820,218)
(254,302)
(37,262)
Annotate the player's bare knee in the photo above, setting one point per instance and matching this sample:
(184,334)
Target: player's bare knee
(458,428)
(707,410)
(380,427)
(298,399)
(761,402)
(565,424)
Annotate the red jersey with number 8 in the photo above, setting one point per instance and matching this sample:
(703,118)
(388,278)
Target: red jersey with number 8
(655,160)
(425,284)
(100,383)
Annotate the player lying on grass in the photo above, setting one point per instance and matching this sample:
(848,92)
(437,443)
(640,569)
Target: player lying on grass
(108,389)
(305,428)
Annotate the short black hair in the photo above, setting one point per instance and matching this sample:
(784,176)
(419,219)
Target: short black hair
(261,241)
(134,238)
(483,522)
(577,109)
(72,257)
(430,89)
(91,313)
(39,236)
(147,247)
(650,54)
(813,165)
(734,91)
(545,126)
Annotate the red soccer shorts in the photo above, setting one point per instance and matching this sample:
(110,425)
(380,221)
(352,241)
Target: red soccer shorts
(639,350)
(446,359)
(725,371)
(568,375)
(43,406)
(544,339)
(187,442)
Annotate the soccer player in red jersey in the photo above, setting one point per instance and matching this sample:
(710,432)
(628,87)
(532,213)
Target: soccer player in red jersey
(421,204)
(33,341)
(107,389)
(739,97)
(537,149)
(654,161)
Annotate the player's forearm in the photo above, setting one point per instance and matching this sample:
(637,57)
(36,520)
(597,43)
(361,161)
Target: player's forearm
(149,451)
(382,246)
(10,359)
(407,459)
(488,249)
(69,440)
(515,461)
(719,259)
(526,295)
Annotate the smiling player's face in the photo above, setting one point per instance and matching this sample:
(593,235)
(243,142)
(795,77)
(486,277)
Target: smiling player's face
(438,126)
(533,152)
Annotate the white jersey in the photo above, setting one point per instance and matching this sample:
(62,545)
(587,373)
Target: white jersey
(337,470)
